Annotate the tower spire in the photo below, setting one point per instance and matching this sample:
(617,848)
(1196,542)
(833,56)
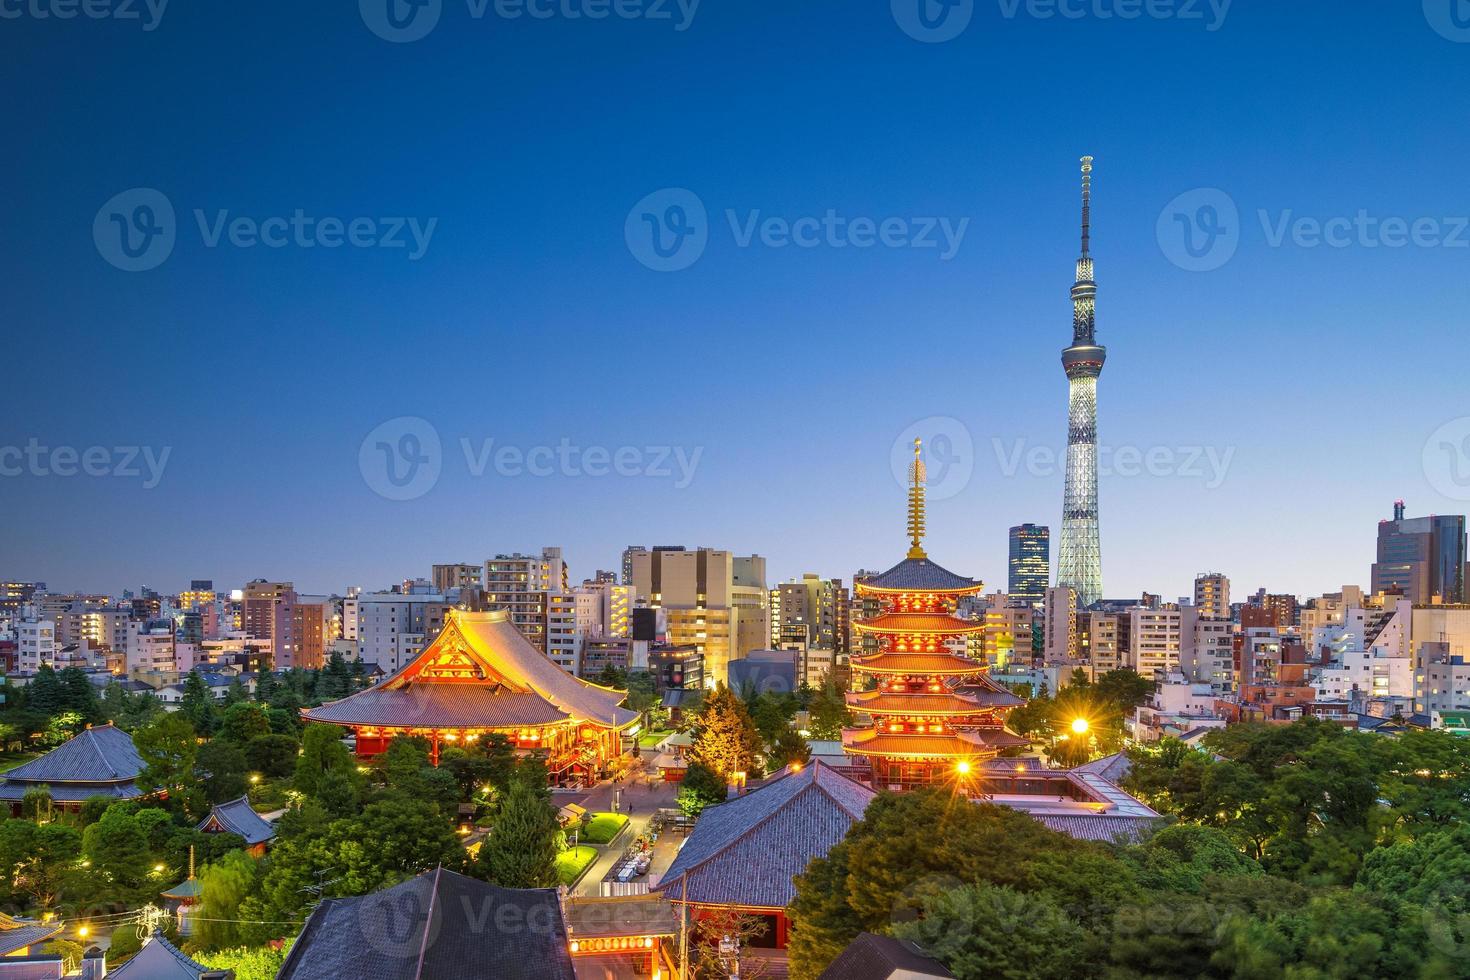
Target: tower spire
(916,502)
(1086,205)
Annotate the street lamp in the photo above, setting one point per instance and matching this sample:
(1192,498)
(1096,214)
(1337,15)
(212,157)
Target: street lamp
(1080,726)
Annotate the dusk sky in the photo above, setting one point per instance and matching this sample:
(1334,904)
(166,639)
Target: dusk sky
(1285,396)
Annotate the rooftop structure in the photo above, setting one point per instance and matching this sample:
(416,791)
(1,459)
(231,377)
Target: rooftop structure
(99,761)
(873,957)
(481,676)
(18,936)
(160,959)
(932,712)
(238,817)
(437,926)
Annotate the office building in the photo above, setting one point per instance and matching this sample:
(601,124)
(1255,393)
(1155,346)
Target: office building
(1212,595)
(446,578)
(1029,568)
(1421,558)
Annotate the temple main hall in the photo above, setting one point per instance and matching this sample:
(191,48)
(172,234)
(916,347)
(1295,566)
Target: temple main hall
(482,677)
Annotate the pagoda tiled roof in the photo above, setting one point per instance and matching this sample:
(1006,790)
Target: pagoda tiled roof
(990,694)
(886,703)
(437,926)
(918,575)
(745,852)
(496,679)
(958,745)
(916,622)
(188,888)
(239,817)
(917,664)
(160,959)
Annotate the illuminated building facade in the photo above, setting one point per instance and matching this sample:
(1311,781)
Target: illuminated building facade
(934,714)
(1029,565)
(1079,561)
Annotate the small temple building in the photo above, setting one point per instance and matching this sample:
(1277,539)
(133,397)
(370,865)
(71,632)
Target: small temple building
(98,761)
(744,854)
(239,817)
(160,959)
(934,715)
(480,676)
(437,926)
(20,937)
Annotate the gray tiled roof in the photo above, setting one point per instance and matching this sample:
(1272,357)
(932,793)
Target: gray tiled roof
(438,926)
(17,934)
(1110,767)
(434,705)
(71,792)
(238,817)
(159,959)
(103,754)
(871,957)
(746,851)
(1100,827)
(919,574)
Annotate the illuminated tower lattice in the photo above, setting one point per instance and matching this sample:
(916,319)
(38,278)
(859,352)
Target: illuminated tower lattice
(1079,559)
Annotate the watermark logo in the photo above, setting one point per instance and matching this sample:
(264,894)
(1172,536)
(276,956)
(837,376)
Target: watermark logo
(1447,459)
(933,21)
(1363,230)
(401,21)
(149,13)
(1199,231)
(399,924)
(36,459)
(1211,13)
(135,230)
(1449,18)
(948,453)
(668,230)
(401,459)
(1208,464)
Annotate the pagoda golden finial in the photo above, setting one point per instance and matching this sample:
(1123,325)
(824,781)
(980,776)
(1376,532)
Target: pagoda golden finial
(916,502)
(191,861)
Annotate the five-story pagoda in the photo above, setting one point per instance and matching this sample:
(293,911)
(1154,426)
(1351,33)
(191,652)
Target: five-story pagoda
(934,713)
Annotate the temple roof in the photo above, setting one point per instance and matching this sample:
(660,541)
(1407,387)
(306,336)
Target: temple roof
(437,926)
(914,622)
(917,664)
(918,575)
(874,957)
(103,754)
(480,672)
(17,934)
(957,745)
(160,959)
(745,852)
(238,817)
(186,889)
(886,703)
(986,691)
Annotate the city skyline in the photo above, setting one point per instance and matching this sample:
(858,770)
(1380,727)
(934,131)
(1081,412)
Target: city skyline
(528,320)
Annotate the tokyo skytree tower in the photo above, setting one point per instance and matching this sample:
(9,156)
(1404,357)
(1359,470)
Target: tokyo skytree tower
(1079,560)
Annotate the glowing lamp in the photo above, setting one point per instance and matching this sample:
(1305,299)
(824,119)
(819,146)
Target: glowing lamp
(1080,726)
(963,768)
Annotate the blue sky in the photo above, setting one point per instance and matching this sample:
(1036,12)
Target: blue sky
(1319,371)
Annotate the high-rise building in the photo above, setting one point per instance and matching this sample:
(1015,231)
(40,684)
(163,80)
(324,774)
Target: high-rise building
(445,578)
(1060,616)
(1079,561)
(36,639)
(813,602)
(521,585)
(13,595)
(1212,595)
(268,613)
(1421,558)
(628,562)
(704,605)
(603,608)
(1155,639)
(390,629)
(1029,568)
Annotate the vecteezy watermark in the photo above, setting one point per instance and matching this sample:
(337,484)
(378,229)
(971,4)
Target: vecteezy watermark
(123,462)
(403,21)
(948,452)
(1201,230)
(1210,464)
(933,21)
(137,229)
(668,231)
(148,13)
(1210,13)
(1449,18)
(403,458)
(1447,459)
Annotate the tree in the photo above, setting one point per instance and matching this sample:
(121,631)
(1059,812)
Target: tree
(221,765)
(521,850)
(700,788)
(37,860)
(982,931)
(78,694)
(223,886)
(243,721)
(725,739)
(828,712)
(789,747)
(44,694)
(197,704)
(272,755)
(322,756)
(257,963)
(1124,688)
(119,848)
(168,748)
